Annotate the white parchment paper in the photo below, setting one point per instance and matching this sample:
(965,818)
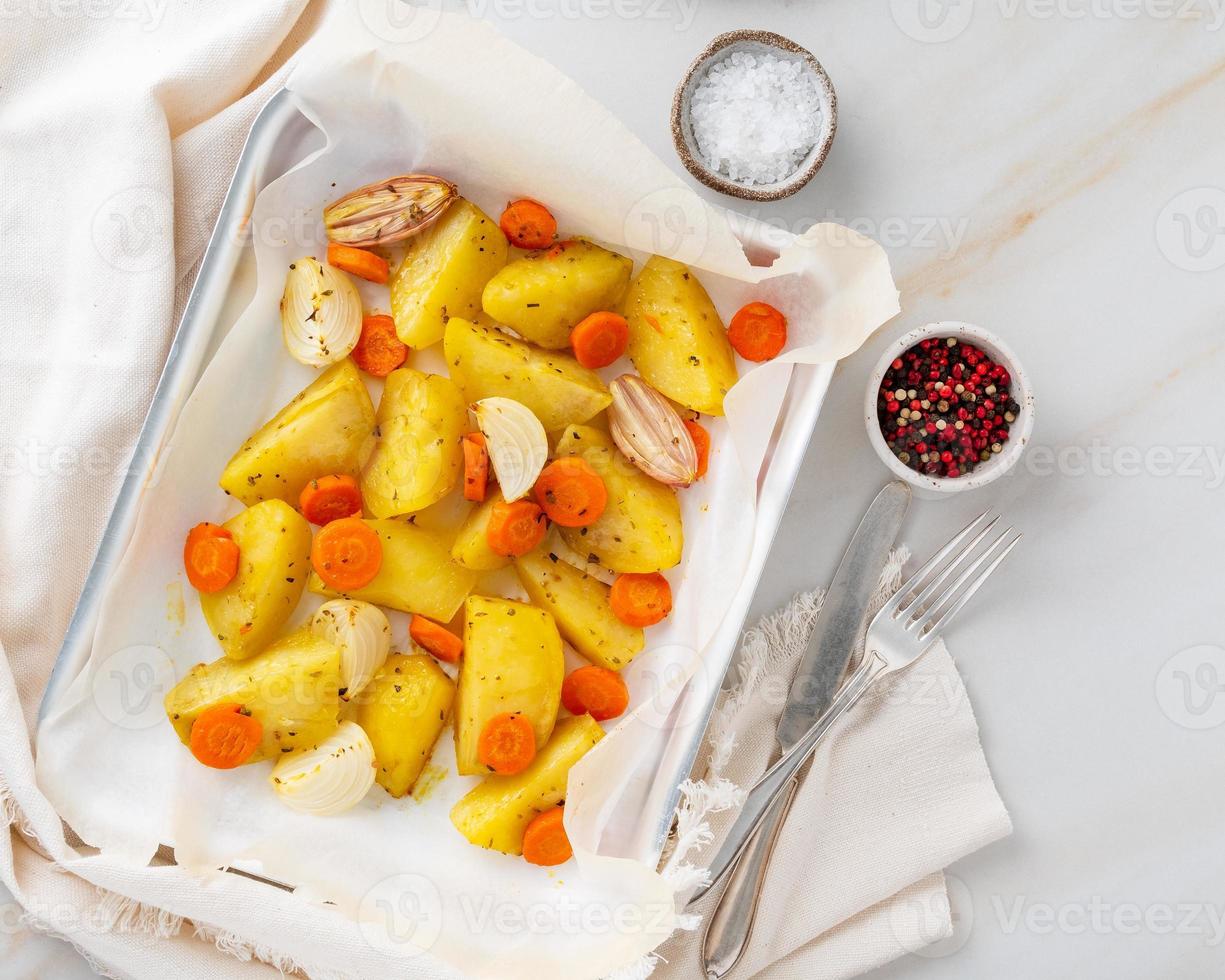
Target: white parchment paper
(452,97)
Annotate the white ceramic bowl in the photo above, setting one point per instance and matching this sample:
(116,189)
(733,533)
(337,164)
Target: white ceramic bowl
(1019,433)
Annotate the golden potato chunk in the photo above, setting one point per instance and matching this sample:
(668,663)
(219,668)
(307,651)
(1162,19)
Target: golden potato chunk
(495,813)
(640,530)
(326,429)
(543,295)
(512,662)
(292,688)
(677,341)
(579,603)
(418,455)
(417,574)
(485,362)
(274,546)
(404,709)
(443,272)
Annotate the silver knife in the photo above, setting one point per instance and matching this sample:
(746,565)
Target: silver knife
(839,628)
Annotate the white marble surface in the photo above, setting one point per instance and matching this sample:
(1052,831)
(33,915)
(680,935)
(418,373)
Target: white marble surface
(1032,165)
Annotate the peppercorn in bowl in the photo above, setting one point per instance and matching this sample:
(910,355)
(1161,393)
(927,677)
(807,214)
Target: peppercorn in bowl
(949,408)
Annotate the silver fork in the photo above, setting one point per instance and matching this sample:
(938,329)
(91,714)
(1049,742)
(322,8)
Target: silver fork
(906,628)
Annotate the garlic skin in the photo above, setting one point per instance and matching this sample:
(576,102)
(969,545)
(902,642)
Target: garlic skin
(330,778)
(517,445)
(388,211)
(362,632)
(321,313)
(651,433)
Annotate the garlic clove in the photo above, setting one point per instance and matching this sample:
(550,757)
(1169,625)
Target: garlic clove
(330,778)
(388,211)
(651,433)
(517,445)
(362,633)
(321,313)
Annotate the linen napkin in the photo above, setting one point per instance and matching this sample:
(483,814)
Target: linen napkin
(896,792)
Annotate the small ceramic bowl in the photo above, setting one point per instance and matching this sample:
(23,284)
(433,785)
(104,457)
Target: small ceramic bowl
(1018,434)
(755,42)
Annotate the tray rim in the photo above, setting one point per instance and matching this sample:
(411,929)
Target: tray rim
(807,385)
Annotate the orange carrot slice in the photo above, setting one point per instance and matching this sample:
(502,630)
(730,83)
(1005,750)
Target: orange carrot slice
(596,691)
(640,599)
(330,498)
(210,556)
(379,351)
(544,840)
(476,466)
(224,736)
(507,744)
(441,642)
(599,339)
(571,492)
(358,261)
(515,528)
(528,224)
(347,554)
(758,332)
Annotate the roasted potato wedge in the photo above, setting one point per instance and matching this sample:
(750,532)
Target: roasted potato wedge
(274,546)
(640,530)
(443,272)
(495,813)
(677,341)
(418,456)
(486,362)
(292,688)
(404,709)
(512,663)
(417,575)
(471,548)
(326,429)
(543,295)
(579,604)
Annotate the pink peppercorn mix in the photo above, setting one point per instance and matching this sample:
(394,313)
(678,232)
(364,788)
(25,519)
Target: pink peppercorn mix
(944,407)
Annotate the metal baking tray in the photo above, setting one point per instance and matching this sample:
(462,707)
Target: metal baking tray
(281,137)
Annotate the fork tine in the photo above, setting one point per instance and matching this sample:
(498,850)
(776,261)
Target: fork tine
(912,583)
(973,586)
(923,601)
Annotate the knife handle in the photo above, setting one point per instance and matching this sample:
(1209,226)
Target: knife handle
(731,922)
(761,796)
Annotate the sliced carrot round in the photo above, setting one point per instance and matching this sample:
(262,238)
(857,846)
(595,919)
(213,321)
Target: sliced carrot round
(439,641)
(571,492)
(595,691)
(639,599)
(758,332)
(330,498)
(210,556)
(507,744)
(347,554)
(599,339)
(701,442)
(358,261)
(544,840)
(476,466)
(379,350)
(515,528)
(224,736)
(528,224)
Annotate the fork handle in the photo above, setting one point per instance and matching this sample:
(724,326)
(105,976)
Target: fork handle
(731,922)
(761,796)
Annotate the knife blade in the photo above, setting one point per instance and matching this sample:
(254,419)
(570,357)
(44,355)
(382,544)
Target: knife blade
(841,622)
(844,614)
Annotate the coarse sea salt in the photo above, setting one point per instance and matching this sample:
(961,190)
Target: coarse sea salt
(756,116)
